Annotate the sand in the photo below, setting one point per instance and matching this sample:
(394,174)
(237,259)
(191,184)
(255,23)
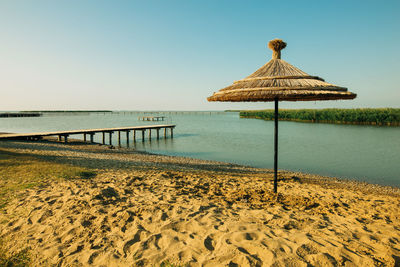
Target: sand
(146,210)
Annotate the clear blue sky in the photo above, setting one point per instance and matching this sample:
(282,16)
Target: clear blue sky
(171,55)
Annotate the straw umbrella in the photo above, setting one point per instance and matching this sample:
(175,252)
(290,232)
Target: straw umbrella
(278,81)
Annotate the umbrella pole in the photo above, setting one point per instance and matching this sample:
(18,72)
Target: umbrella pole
(276,148)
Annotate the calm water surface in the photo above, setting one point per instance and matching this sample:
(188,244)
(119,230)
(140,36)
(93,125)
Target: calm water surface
(365,153)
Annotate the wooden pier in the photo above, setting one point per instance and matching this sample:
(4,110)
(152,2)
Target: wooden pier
(63,135)
(151,118)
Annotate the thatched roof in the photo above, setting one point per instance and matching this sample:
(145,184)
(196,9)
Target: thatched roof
(279,80)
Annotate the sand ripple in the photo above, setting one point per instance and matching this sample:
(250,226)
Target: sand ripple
(143,216)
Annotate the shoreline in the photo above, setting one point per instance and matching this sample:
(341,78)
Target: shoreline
(391,124)
(307,177)
(148,209)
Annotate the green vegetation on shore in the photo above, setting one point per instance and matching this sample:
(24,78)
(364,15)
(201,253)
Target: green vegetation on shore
(20,171)
(367,116)
(20,259)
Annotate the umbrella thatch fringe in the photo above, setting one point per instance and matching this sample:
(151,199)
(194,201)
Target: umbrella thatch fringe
(281,84)
(280,74)
(255,95)
(279,79)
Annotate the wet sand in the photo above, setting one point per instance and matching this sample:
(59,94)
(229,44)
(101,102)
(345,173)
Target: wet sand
(143,210)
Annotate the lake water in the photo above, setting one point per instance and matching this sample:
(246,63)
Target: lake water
(364,153)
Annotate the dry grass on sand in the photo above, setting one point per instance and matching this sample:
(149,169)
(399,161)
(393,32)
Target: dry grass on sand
(90,205)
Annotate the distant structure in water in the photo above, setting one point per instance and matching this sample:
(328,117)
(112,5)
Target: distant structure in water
(22,114)
(151,118)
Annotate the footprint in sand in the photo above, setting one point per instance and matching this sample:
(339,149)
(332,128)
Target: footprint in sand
(51,202)
(152,242)
(208,243)
(293,225)
(46,214)
(135,239)
(253,259)
(251,236)
(326,259)
(78,249)
(247,236)
(93,256)
(164,216)
(306,249)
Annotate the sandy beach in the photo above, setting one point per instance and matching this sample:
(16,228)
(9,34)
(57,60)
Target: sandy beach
(152,210)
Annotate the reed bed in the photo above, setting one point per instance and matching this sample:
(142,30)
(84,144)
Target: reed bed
(364,116)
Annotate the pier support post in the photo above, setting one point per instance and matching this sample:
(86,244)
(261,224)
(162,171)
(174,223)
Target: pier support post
(127,138)
(149,134)
(59,138)
(84,137)
(65,138)
(91,137)
(110,138)
(104,138)
(172,132)
(143,135)
(158,133)
(119,138)
(165,132)
(134,136)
